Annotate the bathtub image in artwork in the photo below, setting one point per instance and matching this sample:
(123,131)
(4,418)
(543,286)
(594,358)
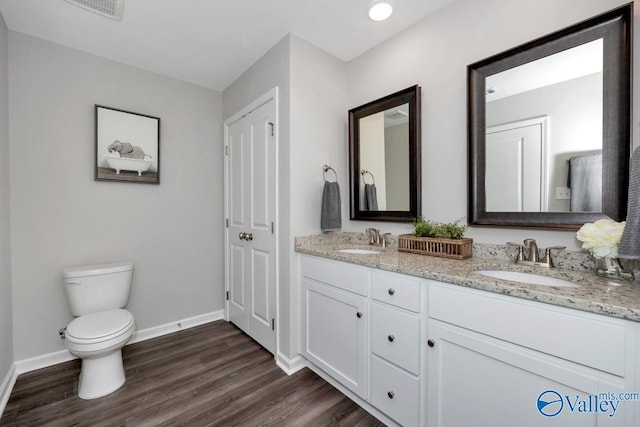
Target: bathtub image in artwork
(128,157)
(127,146)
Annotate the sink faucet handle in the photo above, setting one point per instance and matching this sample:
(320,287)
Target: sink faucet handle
(383,239)
(547,254)
(519,256)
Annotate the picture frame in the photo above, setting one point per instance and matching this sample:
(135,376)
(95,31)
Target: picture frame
(127,146)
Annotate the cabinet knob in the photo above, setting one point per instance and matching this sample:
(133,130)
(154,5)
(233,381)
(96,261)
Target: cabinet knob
(391,291)
(391,394)
(391,338)
(359,314)
(431,343)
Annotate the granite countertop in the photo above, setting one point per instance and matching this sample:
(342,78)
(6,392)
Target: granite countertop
(595,294)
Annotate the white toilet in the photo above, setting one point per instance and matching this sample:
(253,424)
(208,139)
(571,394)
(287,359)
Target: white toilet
(97,295)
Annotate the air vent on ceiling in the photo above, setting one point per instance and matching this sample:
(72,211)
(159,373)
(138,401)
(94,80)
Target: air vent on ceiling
(110,8)
(396,114)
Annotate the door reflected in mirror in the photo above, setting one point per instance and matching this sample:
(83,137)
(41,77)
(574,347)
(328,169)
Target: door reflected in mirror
(544,134)
(384,156)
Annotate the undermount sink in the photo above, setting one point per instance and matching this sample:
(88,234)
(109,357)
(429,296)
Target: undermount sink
(359,251)
(528,278)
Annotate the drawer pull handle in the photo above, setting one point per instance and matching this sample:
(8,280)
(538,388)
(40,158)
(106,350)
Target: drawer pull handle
(431,343)
(391,291)
(391,338)
(359,314)
(391,394)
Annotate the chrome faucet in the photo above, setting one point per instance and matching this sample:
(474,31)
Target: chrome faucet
(375,238)
(534,257)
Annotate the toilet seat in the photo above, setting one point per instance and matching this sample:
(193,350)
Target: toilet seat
(99,327)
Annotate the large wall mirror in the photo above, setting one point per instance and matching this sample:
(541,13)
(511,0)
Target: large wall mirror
(549,128)
(384,158)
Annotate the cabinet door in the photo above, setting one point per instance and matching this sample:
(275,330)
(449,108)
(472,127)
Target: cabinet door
(333,334)
(477,380)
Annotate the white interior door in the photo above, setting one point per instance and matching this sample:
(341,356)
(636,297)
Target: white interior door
(251,210)
(516,167)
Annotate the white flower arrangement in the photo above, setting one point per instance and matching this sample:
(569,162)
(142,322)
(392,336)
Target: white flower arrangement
(601,238)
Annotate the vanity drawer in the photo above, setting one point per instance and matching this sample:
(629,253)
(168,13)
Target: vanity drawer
(395,336)
(350,277)
(584,338)
(395,392)
(401,291)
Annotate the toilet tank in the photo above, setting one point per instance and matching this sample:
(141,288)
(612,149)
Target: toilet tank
(98,287)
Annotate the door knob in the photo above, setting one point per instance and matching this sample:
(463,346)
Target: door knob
(359,314)
(249,236)
(242,235)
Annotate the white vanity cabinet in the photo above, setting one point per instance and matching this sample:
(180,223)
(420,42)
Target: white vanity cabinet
(396,354)
(334,320)
(417,352)
(363,327)
(492,358)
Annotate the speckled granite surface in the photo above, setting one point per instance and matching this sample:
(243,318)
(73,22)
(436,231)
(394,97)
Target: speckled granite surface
(595,294)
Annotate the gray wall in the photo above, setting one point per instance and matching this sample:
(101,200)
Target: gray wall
(6,322)
(61,216)
(434,54)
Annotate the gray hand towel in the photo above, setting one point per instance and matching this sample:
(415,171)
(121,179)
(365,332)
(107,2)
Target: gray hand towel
(371,197)
(585,181)
(630,241)
(331,215)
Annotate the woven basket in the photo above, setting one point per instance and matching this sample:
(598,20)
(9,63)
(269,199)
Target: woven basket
(436,246)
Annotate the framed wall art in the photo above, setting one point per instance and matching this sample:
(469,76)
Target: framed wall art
(127,146)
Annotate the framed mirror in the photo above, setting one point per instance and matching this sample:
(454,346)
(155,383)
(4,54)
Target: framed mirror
(549,128)
(384,158)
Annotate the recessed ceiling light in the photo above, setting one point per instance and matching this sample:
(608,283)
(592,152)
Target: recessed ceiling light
(379,10)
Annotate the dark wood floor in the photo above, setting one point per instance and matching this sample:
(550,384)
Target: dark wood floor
(211,375)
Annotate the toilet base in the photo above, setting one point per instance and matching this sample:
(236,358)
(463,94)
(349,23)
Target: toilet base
(100,376)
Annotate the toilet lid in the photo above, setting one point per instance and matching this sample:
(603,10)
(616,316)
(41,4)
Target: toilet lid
(99,325)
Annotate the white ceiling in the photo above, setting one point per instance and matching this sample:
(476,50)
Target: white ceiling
(569,64)
(210,42)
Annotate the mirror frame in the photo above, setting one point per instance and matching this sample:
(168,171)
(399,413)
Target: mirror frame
(615,28)
(411,96)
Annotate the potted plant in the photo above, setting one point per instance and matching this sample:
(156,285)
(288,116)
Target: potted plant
(441,239)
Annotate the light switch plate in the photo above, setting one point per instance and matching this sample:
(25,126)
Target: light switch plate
(563,193)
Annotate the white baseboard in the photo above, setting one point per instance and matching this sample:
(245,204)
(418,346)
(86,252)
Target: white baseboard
(169,328)
(43,361)
(50,359)
(6,386)
(290,366)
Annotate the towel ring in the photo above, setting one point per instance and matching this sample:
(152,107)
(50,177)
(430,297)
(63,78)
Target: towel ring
(364,171)
(327,168)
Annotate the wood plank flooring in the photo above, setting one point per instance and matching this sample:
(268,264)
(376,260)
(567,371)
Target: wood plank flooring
(210,375)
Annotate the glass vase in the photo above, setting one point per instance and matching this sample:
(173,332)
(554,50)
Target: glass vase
(612,267)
